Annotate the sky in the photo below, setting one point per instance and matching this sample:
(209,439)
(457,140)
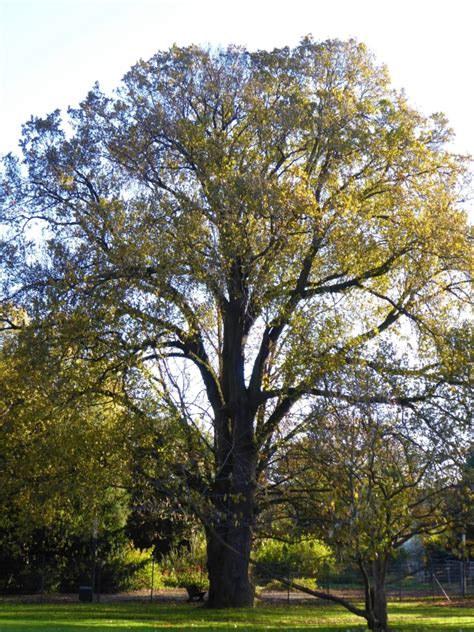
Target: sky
(52,51)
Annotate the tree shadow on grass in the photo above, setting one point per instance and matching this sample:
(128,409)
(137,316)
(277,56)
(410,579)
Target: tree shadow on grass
(146,617)
(157,618)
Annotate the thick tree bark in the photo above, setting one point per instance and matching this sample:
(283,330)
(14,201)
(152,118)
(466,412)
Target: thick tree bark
(376,602)
(229,536)
(229,540)
(228,567)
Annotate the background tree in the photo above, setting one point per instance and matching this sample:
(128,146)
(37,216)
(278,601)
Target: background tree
(64,462)
(458,541)
(371,480)
(242,226)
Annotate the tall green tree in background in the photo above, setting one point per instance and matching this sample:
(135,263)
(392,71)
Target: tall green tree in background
(60,455)
(226,233)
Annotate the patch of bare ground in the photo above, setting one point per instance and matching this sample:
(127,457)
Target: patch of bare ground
(266,597)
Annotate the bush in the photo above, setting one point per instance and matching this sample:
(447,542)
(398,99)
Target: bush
(118,566)
(185,564)
(307,558)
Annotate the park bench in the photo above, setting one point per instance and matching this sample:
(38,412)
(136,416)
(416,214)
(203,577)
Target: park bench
(194,593)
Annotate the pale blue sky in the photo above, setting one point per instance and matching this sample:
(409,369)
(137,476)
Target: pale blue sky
(52,51)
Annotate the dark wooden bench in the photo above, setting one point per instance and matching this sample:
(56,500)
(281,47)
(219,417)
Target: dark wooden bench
(194,593)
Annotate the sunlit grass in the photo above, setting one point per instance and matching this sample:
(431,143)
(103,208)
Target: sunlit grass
(119,617)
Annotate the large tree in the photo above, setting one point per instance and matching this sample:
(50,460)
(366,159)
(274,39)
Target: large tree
(237,227)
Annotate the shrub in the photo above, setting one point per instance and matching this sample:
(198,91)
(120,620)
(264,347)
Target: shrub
(185,564)
(307,558)
(142,570)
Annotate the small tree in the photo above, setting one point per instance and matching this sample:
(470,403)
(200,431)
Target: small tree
(371,482)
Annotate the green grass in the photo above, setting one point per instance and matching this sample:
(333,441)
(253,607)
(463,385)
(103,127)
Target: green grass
(119,617)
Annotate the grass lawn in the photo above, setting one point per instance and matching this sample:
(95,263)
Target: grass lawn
(118,617)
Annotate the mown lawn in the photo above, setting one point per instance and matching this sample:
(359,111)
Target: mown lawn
(118,617)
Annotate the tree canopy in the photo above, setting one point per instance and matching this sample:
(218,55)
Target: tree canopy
(229,232)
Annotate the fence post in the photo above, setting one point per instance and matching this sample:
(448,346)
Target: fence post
(432,579)
(43,573)
(152,576)
(94,555)
(288,587)
(98,578)
(463,577)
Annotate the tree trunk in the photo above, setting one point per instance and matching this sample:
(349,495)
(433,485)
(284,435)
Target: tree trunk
(377,610)
(228,568)
(229,538)
(229,534)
